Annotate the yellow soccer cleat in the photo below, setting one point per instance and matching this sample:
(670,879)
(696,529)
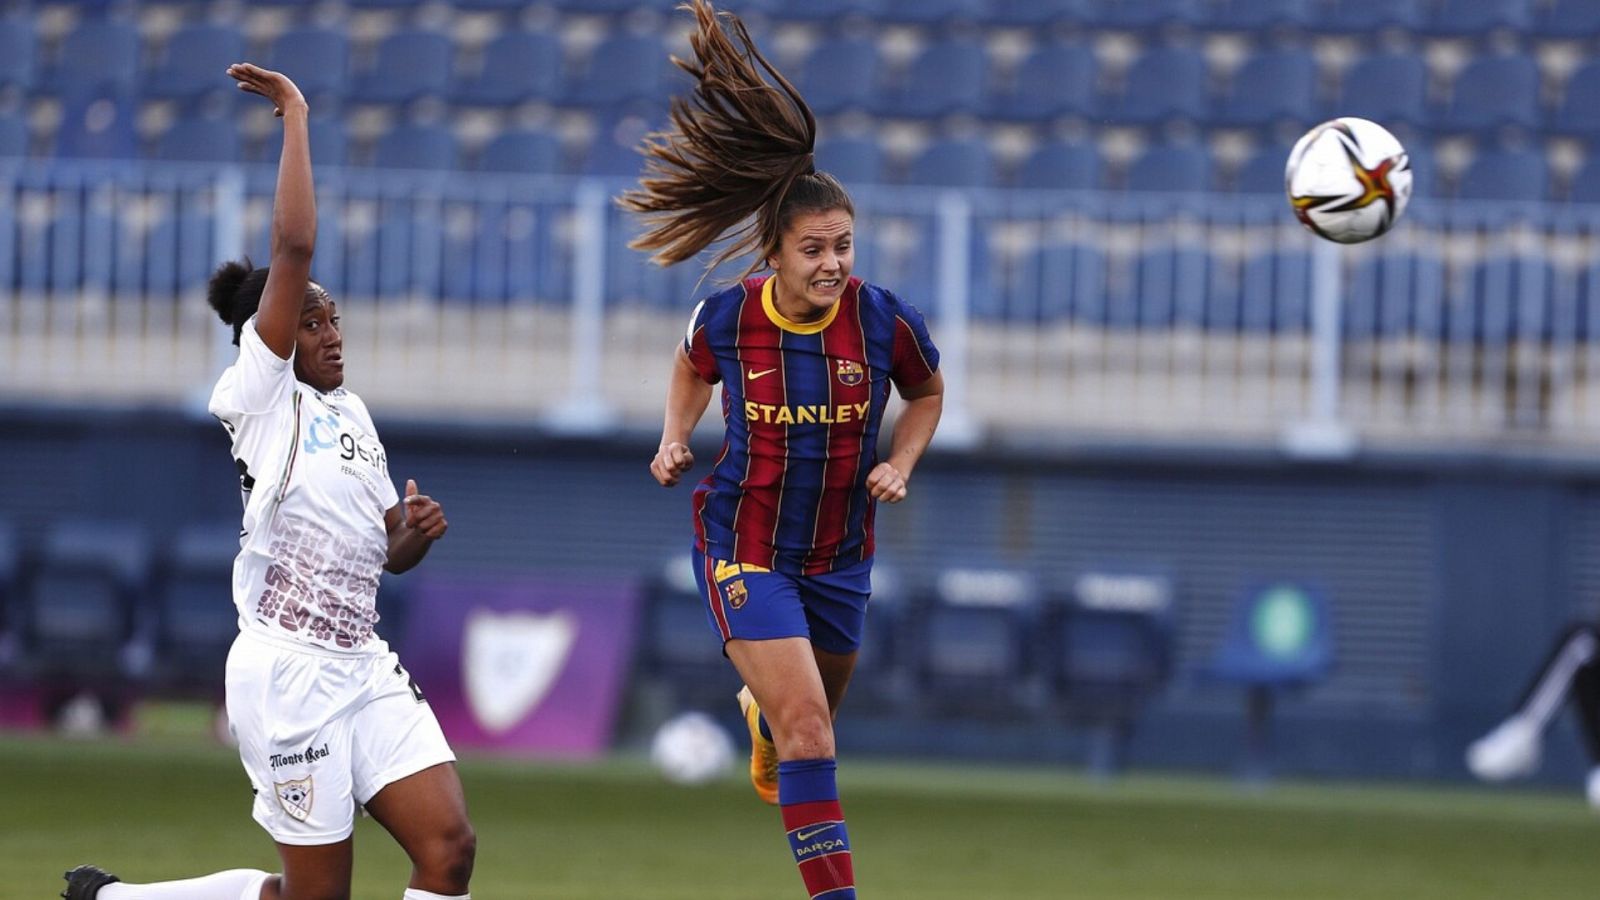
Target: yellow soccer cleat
(763,753)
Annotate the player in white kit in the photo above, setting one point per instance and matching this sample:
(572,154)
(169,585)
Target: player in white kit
(325,715)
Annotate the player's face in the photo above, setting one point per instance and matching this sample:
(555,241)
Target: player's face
(319,348)
(813,263)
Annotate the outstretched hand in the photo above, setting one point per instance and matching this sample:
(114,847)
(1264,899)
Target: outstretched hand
(274,86)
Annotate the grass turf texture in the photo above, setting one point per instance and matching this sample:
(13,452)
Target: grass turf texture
(166,807)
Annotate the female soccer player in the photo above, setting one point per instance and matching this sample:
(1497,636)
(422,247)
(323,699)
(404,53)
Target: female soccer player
(806,356)
(1514,748)
(325,715)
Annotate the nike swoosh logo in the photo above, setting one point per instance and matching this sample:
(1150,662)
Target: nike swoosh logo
(753,374)
(808,835)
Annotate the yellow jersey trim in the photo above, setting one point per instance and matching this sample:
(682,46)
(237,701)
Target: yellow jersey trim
(787,324)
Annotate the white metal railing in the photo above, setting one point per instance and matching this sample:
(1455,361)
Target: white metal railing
(1137,317)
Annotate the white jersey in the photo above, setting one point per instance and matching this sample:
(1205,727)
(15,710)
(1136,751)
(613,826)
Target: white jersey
(315,483)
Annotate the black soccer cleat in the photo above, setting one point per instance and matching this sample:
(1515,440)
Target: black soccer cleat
(84,882)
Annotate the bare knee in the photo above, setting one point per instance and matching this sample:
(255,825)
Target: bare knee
(806,732)
(445,864)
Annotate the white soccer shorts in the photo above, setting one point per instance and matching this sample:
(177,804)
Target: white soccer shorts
(320,732)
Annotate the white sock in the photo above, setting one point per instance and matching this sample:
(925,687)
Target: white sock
(244,884)
(414,894)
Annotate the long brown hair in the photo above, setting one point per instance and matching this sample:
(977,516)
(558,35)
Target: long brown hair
(738,155)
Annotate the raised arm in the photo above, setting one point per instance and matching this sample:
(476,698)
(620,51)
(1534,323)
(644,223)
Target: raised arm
(294,210)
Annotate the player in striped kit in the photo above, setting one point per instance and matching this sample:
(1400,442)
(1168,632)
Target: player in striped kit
(806,357)
(325,715)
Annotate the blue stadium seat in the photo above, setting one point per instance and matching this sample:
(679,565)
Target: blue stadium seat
(617,140)
(1060,165)
(17,47)
(13,135)
(1038,13)
(330,143)
(80,607)
(1274,296)
(1395,296)
(1491,92)
(853,159)
(1506,174)
(949,76)
(195,615)
(1164,83)
(1279,638)
(1146,14)
(1569,19)
(1362,16)
(625,68)
(828,10)
(1166,288)
(99,56)
(1179,167)
(1272,86)
(199,138)
(1579,113)
(1056,79)
(522,151)
(840,74)
(1469,18)
(931,12)
(97,127)
(975,649)
(409,65)
(1262,171)
(517,66)
(318,59)
(193,62)
(1110,650)
(1385,87)
(677,645)
(1258,15)
(416,146)
(953,162)
(1585,186)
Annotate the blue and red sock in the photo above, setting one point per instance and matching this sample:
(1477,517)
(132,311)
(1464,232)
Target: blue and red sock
(808,797)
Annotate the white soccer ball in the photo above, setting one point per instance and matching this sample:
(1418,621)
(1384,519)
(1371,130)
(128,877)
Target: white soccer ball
(691,748)
(1348,180)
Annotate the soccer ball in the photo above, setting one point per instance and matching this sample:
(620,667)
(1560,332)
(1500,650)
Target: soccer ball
(691,748)
(1348,180)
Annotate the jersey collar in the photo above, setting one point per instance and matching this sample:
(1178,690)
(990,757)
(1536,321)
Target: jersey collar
(786,324)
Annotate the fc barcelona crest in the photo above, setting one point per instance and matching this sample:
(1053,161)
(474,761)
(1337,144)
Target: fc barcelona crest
(295,797)
(737,594)
(850,372)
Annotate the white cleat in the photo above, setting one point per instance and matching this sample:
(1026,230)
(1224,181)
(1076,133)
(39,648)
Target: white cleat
(1512,750)
(1594,789)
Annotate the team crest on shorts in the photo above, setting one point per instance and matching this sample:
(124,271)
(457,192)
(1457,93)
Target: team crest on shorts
(850,372)
(295,797)
(737,594)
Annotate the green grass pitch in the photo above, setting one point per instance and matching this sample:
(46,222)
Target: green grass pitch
(166,807)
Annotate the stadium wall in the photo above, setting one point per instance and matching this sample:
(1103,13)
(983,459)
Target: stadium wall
(1447,576)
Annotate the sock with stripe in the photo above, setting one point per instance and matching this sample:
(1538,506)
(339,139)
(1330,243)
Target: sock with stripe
(415,894)
(808,796)
(244,884)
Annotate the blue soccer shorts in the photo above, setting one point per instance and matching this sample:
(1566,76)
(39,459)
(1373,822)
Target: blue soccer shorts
(755,604)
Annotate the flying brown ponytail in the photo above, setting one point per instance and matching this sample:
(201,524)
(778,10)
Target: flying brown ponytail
(736,150)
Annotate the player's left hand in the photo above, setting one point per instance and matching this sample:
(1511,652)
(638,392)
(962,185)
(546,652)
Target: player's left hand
(423,513)
(886,483)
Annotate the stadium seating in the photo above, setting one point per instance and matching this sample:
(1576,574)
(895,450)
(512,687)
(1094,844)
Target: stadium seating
(1385,87)
(1056,79)
(1176,167)
(193,60)
(13,135)
(1279,638)
(1060,165)
(516,66)
(1147,14)
(1569,19)
(1257,15)
(194,609)
(841,74)
(1038,13)
(317,58)
(932,12)
(79,611)
(1516,174)
(526,151)
(1492,92)
(1270,87)
(417,146)
(624,69)
(1110,650)
(853,159)
(17,49)
(98,127)
(974,650)
(1164,83)
(950,76)
(99,56)
(1365,16)
(953,162)
(1579,112)
(1471,17)
(200,139)
(408,65)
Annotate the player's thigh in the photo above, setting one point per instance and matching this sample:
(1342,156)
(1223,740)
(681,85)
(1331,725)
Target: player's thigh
(424,811)
(403,762)
(782,674)
(319,872)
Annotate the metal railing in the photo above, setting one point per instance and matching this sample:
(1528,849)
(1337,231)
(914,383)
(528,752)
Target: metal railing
(1167,319)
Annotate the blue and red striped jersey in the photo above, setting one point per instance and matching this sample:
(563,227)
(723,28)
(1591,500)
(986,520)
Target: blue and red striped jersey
(803,402)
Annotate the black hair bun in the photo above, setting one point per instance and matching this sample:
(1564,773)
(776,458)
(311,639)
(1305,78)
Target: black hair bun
(223,289)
